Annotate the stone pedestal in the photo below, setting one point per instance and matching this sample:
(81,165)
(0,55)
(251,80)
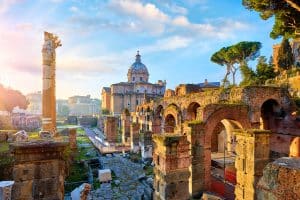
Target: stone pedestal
(252,150)
(172,159)
(39,170)
(5,189)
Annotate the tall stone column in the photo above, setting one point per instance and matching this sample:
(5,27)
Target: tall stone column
(172,160)
(252,150)
(125,123)
(51,42)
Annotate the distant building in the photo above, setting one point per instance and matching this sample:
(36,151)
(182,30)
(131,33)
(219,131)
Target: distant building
(62,107)
(83,106)
(35,103)
(127,95)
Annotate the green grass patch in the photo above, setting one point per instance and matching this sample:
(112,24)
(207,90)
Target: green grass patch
(4,147)
(78,173)
(33,135)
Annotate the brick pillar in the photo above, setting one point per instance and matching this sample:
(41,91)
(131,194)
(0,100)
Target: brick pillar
(39,170)
(125,124)
(134,136)
(201,158)
(172,160)
(111,129)
(252,150)
(72,138)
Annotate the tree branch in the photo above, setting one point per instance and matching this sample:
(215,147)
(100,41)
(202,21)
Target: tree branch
(293,4)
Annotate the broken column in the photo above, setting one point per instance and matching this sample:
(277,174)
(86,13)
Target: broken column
(72,138)
(111,129)
(172,160)
(51,42)
(125,124)
(39,170)
(134,136)
(252,151)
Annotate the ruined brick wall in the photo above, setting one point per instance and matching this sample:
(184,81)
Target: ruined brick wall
(134,136)
(111,129)
(172,160)
(280,180)
(39,170)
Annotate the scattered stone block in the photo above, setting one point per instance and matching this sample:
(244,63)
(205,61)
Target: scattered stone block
(5,189)
(104,175)
(21,136)
(82,192)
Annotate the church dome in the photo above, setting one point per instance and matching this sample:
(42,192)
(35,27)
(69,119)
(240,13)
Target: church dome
(138,72)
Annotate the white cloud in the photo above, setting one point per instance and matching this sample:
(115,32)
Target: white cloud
(147,12)
(6,4)
(167,44)
(73,9)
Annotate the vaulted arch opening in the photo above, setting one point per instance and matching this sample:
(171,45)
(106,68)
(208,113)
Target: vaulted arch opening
(192,111)
(270,111)
(170,124)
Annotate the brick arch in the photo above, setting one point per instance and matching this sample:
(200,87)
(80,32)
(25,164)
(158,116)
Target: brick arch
(191,111)
(174,110)
(216,113)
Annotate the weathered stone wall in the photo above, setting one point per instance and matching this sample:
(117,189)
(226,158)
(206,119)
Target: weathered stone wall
(145,142)
(280,180)
(172,161)
(39,170)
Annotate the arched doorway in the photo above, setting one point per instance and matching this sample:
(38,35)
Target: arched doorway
(192,111)
(170,123)
(270,110)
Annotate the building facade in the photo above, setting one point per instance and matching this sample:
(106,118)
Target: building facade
(35,103)
(137,89)
(83,106)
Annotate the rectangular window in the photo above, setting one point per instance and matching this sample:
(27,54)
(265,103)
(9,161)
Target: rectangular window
(133,78)
(141,78)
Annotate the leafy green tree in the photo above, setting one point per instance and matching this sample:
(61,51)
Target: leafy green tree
(235,56)
(248,75)
(286,14)
(220,58)
(264,70)
(10,98)
(243,52)
(285,55)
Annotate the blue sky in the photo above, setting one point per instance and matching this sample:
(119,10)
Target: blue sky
(100,38)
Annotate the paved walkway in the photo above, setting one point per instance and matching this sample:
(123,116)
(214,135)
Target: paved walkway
(129,181)
(103,146)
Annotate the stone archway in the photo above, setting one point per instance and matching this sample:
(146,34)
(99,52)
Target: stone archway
(172,118)
(270,110)
(170,124)
(192,111)
(231,117)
